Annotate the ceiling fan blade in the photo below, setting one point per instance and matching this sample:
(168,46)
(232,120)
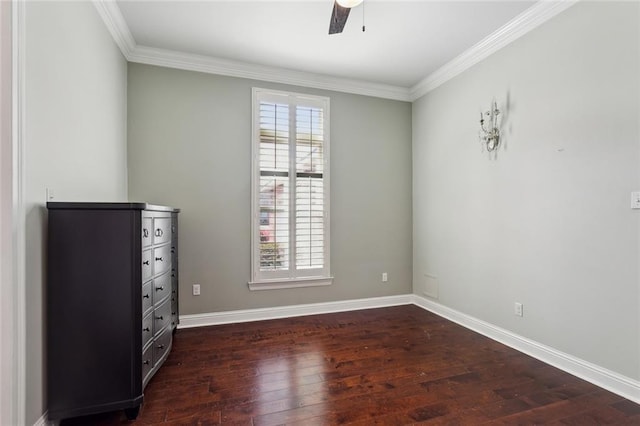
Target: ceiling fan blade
(338,18)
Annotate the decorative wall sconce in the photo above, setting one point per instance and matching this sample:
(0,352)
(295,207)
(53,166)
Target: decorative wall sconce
(490,134)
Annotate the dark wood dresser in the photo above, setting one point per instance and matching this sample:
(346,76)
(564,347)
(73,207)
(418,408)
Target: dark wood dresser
(111,303)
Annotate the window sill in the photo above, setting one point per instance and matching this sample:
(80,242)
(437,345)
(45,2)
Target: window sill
(295,283)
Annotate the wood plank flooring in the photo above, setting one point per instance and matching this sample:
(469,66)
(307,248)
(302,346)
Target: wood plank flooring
(389,366)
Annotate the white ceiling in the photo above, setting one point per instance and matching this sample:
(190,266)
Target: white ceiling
(404,42)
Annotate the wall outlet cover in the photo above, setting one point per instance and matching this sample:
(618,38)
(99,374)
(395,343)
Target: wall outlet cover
(518,309)
(431,286)
(635,200)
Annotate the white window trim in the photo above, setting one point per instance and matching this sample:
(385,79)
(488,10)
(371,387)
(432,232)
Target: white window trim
(288,281)
(295,283)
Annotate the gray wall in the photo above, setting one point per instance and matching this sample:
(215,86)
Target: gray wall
(189,147)
(75,141)
(547,222)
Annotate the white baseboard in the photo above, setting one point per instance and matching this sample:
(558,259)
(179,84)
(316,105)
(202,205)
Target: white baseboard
(246,315)
(599,376)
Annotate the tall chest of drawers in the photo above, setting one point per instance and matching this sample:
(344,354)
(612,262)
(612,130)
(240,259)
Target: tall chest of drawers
(112,303)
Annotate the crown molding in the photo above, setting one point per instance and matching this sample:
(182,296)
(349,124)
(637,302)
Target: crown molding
(531,18)
(207,64)
(117,26)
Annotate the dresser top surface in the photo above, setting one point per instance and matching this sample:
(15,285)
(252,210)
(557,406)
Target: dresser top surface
(63,205)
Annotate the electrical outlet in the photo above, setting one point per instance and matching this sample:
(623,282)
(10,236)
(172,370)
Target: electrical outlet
(385,277)
(50,194)
(518,309)
(635,200)
(196,289)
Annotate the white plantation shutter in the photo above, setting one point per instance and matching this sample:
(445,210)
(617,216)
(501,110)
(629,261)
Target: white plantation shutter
(290,229)
(274,186)
(309,188)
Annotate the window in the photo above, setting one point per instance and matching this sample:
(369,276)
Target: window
(290,190)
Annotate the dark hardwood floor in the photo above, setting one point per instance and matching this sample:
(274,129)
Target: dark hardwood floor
(391,366)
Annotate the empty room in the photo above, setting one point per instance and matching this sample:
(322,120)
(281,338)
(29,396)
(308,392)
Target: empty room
(320,212)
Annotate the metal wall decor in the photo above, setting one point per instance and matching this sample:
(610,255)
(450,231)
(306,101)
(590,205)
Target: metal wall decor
(490,133)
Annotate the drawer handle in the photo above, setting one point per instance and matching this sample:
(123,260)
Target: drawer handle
(145,233)
(146,362)
(146,262)
(173,313)
(158,258)
(146,296)
(161,317)
(159,232)
(160,288)
(147,329)
(160,346)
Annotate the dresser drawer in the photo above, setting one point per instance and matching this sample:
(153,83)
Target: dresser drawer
(174,296)
(147,329)
(174,252)
(161,259)
(174,316)
(146,265)
(161,317)
(174,276)
(147,297)
(147,231)
(147,364)
(174,303)
(161,346)
(161,230)
(161,288)
(174,227)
